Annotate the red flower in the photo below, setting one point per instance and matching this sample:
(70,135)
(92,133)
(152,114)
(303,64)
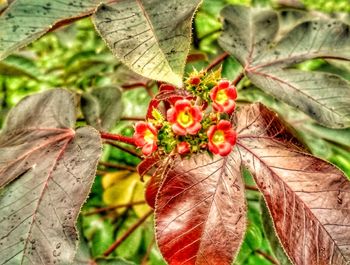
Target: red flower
(183,148)
(221,138)
(184,117)
(223,96)
(145,136)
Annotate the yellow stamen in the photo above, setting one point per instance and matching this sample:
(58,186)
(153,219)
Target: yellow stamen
(149,136)
(185,118)
(221,97)
(218,137)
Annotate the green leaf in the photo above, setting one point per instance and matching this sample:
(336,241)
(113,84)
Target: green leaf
(270,234)
(248,35)
(23,22)
(48,169)
(131,245)
(151,37)
(16,65)
(102,107)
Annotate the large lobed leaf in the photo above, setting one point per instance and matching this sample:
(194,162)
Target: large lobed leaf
(152,37)
(24,21)
(48,169)
(201,211)
(307,197)
(200,208)
(325,97)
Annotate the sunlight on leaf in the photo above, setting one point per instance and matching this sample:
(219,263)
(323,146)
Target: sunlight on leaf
(150,37)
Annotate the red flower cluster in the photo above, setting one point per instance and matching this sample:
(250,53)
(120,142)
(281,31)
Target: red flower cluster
(187,128)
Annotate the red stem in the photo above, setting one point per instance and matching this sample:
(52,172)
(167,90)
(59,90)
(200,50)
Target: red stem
(127,150)
(117,137)
(117,166)
(217,61)
(109,208)
(268,257)
(238,79)
(134,85)
(127,233)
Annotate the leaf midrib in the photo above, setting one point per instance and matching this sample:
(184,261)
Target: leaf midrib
(295,194)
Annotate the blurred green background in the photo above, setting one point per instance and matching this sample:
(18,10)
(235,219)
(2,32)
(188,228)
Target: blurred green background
(76,58)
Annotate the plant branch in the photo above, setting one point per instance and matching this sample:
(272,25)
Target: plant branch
(238,79)
(148,252)
(250,187)
(132,118)
(117,137)
(117,166)
(126,234)
(209,34)
(134,85)
(217,61)
(127,150)
(267,256)
(109,208)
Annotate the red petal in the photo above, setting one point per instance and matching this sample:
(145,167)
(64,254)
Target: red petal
(183,148)
(223,84)
(139,140)
(213,93)
(224,125)
(149,148)
(211,132)
(229,106)
(193,129)
(218,107)
(231,92)
(213,148)
(179,130)
(152,129)
(231,137)
(225,149)
(141,126)
(196,114)
(171,115)
(182,104)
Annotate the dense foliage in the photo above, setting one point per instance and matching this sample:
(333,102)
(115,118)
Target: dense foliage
(178,131)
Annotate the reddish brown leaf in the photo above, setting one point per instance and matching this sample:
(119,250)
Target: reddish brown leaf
(48,169)
(201,211)
(308,198)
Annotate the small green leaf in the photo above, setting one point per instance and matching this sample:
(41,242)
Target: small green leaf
(151,37)
(102,107)
(16,65)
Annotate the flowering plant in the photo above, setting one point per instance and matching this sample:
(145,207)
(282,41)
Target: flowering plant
(187,125)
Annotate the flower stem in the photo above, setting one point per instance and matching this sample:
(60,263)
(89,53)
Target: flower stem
(268,257)
(217,61)
(109,208)
(126,234)
(127,150)
(238,79)
(117,137)
(117,166)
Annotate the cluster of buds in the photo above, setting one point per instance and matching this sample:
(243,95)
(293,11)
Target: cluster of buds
(187,126)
